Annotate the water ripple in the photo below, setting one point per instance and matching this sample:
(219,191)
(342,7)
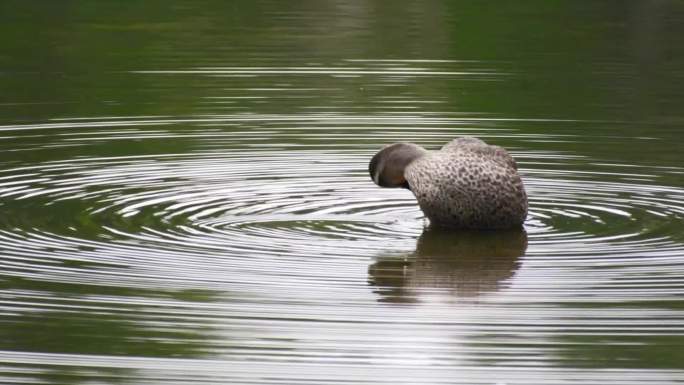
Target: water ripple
(311,208)
(244,247)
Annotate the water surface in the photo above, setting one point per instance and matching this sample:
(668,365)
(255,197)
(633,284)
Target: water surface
(185,195)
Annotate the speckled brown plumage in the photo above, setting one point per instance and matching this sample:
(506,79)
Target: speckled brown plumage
(468,184)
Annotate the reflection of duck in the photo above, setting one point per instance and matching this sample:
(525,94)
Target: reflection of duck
(469,262)
(467,184)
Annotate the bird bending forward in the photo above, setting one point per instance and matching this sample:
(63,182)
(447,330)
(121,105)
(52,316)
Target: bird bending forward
(467,184)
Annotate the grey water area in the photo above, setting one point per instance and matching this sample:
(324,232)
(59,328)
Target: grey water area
(184,193)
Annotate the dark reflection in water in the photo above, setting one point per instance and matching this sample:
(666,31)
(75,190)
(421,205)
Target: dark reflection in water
(468,263)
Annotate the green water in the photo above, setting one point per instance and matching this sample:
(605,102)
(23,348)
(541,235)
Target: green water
(185,198)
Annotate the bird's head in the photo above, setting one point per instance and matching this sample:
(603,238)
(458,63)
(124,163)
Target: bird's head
(387,167)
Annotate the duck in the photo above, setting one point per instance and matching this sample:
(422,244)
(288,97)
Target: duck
(467,184)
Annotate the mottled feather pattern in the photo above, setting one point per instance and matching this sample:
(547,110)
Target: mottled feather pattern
(469,184)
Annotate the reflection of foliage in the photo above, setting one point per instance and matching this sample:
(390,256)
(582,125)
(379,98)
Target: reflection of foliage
(77,61)
(76,290)
(101,332)
(82,332)
(69,214)
(97,328)
(469,263)
(628,351)
(622,347)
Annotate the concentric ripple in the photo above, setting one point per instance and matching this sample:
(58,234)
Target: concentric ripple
(253,248)
(274,205)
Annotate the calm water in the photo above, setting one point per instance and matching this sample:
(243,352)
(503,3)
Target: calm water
(185,199)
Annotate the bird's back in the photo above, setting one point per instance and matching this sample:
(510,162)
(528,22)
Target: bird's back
(469,184)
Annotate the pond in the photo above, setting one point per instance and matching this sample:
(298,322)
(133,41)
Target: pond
(185,195)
